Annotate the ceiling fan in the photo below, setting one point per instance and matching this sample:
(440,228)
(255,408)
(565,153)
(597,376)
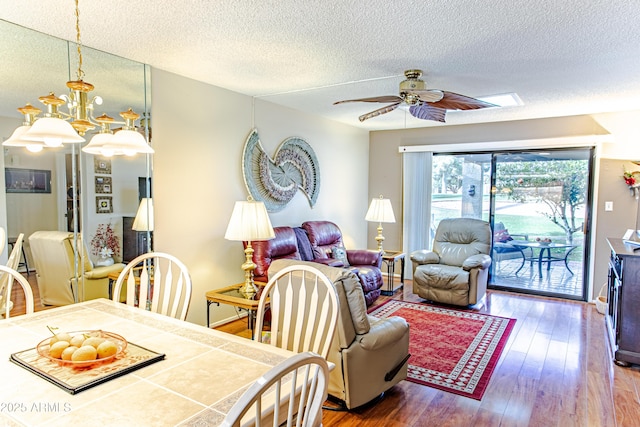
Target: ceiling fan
(425,104)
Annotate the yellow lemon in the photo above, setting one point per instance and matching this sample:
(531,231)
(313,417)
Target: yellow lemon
(62,336)
(77,340)
(93,341)
(57,348)
(84,353)
(67,352)
(106,349)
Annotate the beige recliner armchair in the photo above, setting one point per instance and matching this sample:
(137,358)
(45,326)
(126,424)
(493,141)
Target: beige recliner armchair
(370,354)
(456,270)
(54,261)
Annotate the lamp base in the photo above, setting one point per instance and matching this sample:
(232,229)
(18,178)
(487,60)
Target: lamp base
(248,290)
(380,238)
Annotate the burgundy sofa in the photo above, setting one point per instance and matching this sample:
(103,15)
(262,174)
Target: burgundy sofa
(315,241)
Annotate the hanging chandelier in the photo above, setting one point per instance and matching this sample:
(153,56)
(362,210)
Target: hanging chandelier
(56,127)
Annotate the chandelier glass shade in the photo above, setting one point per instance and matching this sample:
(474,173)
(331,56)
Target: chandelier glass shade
(56,128)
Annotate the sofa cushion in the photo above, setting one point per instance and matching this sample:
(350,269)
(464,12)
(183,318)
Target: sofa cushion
(502,236)
(340,253)
(284,245)
(323,236)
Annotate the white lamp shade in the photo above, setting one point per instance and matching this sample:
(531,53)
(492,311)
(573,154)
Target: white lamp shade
(144,217)
(380,210)
(52,132)
(17,140)
(97,143)
(249,222)
(128,142)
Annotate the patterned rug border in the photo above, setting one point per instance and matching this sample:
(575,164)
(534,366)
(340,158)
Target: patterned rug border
(475,368)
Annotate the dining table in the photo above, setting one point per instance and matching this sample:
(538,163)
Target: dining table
(175,373)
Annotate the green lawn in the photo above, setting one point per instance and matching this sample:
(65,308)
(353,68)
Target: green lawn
(533,226)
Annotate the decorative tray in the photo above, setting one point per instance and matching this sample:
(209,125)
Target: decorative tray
(74,380)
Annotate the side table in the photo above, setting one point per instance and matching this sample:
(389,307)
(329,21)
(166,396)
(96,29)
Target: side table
(390,258)
(231,295)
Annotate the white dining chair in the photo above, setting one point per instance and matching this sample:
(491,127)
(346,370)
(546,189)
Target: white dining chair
(158,282)
(14,259)
(304,310)
(292,392)
(9,275)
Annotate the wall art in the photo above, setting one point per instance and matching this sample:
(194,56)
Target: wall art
(103,204)
(103,184)
(27,180)
(275,181)
(101,165)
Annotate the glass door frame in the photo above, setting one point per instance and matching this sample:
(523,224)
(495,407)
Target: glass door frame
(588,217)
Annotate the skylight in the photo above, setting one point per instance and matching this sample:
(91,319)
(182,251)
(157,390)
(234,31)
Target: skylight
(503,100)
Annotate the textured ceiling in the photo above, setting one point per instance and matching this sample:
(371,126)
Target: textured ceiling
(562,57)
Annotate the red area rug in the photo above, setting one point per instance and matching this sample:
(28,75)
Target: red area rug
(451,350)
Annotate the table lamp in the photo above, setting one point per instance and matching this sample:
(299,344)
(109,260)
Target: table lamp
(380,211)
(249,222)
(144,217)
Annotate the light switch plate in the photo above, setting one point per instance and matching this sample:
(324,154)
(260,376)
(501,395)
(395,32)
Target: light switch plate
(608,206)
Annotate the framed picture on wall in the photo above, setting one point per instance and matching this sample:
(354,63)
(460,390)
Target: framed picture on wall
(101,165)
(27,180)
(103,184)
(103,204)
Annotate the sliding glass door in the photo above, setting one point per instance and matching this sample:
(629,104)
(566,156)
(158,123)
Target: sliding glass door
(537,205)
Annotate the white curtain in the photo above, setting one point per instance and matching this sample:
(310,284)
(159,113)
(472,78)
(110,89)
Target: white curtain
(416,209)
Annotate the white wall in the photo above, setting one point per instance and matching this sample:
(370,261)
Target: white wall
(199,132)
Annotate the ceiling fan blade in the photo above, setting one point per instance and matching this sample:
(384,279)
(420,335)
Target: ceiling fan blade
(455,101)
(426,111)
(379,111)
(428,95)
(386,98)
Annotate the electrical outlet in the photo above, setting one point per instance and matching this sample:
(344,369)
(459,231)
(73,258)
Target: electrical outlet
(608,206)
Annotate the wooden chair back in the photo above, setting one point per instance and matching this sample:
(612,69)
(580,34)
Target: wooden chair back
(291,392)
(158,282)
(304,310)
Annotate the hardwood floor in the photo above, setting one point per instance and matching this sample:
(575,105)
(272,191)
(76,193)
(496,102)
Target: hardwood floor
(556,370)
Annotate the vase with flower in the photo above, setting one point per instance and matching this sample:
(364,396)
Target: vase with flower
(632,179)
(105,245)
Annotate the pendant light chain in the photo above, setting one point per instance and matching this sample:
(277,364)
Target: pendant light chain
(79,73)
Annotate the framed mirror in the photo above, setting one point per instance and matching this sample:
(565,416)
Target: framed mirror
(86,191)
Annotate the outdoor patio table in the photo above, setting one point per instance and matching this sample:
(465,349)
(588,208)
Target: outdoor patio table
(544,254)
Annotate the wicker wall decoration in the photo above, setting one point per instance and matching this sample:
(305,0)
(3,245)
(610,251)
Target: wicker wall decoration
(275,182)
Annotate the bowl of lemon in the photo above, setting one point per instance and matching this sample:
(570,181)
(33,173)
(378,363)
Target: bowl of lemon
(82,349)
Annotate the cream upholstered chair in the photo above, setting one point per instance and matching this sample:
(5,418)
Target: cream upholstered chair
(9,275)
(12,263)
(3,239)
(160,281)
(54,260)
(292,391)
(369,353)
(304,310)
(456,270)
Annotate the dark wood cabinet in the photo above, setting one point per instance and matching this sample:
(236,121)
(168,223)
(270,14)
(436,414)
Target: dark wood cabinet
(134,243)
(623,297)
